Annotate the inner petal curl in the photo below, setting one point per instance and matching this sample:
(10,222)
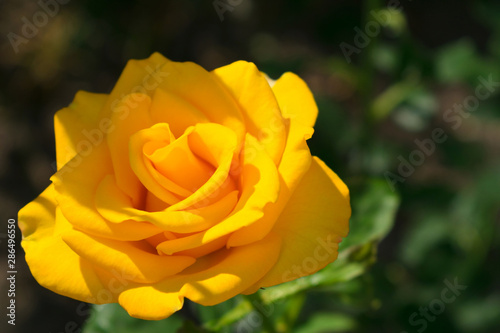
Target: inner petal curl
(189,172)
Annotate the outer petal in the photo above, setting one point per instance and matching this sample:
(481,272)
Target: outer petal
(130,116)
(311,226)
(76,185)
(295,100)
(298,106)
(139,76)
(202,90)
(129,257)
(78,126)
(259,107)
(294,164)
(177,112)
(210,281)
(53,264)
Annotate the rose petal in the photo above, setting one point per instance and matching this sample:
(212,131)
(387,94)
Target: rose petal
(259,107)
(53,264)
(297,104)
(205,249)
(178,113)
(139,76)
(76,184)
(210,281)
(212,143)
(116,207)
(177,162)
(216,145)
(129,116)
(112,255)
(143,143)
(311,225)
(201,89)
(259,187)
(78,126)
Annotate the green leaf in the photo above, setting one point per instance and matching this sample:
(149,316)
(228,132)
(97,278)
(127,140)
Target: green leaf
(342,270)
(388,100)
(477,314)
(374,207)
(460,62)
(424,237)
(237,312)
(292,311)
(113,318)
(211,315)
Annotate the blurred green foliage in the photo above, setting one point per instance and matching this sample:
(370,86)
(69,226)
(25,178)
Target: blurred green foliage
(441,222)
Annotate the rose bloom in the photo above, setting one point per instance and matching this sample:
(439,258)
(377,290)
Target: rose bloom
(184,183)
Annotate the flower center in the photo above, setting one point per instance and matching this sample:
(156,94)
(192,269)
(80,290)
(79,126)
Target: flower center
(190,171)
(177,162)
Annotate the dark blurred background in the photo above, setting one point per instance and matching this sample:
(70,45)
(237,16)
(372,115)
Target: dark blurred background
(373,106)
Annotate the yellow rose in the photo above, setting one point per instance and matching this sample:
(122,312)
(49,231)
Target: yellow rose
(184,183)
